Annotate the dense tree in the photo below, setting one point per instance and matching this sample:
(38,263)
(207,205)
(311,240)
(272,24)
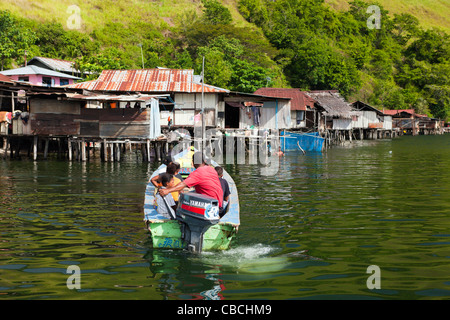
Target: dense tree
(227,66)
(95,64)
(54,41)
(403,65)
(216,13)
(432,46)
(15,39)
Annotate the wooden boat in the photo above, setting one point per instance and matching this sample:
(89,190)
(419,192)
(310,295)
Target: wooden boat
(168,233)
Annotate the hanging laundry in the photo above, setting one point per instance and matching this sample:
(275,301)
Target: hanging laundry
(256,115)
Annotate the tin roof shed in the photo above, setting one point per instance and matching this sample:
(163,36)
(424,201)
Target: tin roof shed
(148,80)
(299,100)
(400,113)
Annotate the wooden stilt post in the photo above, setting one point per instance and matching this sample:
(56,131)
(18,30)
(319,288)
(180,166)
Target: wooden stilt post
(5,146)
(77,150)
(157,151)
(105,151)
(83,150)
(88,150)
(35,147)
(69,148)
(143,152)
(117,152)
(102,152)
(166,145)
(93,149)
(59,148)
(111,150)
(47,141)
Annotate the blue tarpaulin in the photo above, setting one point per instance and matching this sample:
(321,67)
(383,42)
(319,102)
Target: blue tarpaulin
(297,141)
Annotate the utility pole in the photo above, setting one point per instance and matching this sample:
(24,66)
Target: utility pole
(142,55)
(203,107)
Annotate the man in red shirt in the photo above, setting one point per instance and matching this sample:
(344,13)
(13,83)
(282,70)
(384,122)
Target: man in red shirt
(205,180)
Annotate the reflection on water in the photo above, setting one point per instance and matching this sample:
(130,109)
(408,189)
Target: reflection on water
(310,232)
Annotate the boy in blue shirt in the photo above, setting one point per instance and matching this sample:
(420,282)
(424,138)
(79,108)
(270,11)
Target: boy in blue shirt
(166,205)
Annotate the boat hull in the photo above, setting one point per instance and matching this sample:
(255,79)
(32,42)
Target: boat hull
(168,235)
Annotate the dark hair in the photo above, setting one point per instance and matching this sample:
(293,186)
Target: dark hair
(168,159)
(171,168)
(165,178)
(219,170)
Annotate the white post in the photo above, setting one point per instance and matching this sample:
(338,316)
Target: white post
(69,143)
(35,141)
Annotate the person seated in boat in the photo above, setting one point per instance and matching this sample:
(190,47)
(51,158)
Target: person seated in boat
(170,169)
(177,172)
(225,186)
(204,179)
(166,205)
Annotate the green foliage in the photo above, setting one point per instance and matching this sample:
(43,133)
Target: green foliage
(228,67)
(405,26)
(439,98)
(218,70)
(254,11)
(432,46)
(14,38)
(216,13)
(95,64)
(249,77)
(404,66)
(54,41)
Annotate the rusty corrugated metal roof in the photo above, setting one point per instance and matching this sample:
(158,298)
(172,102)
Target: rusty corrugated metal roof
(109,97)
(398,112)
(4,78)
(147,80)
(299,100)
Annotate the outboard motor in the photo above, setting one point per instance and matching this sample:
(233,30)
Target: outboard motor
(197,213)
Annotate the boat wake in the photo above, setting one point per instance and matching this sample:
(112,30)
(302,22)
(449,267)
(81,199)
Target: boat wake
(257,258)
(244,253)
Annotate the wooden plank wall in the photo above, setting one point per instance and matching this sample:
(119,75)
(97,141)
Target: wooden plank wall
(70,118)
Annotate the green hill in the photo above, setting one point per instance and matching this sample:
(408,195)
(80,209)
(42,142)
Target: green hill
(248,44)
(430,13)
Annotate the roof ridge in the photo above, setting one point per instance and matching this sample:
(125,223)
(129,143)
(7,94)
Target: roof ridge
(38,70)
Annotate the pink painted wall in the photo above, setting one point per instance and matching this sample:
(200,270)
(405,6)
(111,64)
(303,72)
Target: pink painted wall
(36,79)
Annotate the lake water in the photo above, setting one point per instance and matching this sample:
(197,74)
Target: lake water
(309,232)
